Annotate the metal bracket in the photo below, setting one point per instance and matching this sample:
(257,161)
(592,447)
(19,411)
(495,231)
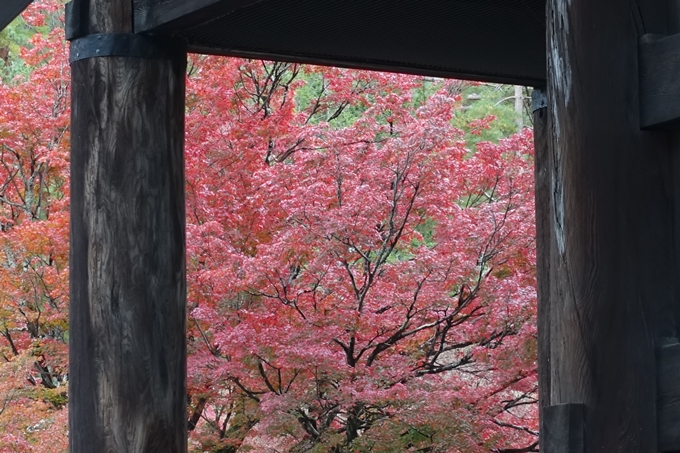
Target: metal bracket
(128,45)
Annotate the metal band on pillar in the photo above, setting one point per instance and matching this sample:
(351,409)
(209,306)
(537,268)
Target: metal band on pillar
(127,45)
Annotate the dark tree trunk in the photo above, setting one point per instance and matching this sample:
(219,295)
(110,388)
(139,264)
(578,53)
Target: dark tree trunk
(128,291)
(605,227)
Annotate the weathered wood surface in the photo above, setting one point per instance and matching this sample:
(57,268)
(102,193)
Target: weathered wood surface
(9,9)
(668,395)
(542,178)
(127,343)
(127,340)
(659,82)
(562,428)
(605,197)
(109,16)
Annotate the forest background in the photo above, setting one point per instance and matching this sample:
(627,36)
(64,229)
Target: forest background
(361,257)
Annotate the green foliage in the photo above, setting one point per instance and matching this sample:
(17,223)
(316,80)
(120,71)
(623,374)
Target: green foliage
(484,100)
(56,397)
(12,39)
(426,90)
(17,36)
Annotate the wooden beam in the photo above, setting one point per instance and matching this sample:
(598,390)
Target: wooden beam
(9,9)
(163,15)
(654,15)
(562,428)
(659,82)
(127,386)
(209,26)
(543,194)
(607,275)
(370,65)
(668,395)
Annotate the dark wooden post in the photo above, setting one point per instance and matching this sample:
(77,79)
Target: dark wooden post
(606,267)
(127,337)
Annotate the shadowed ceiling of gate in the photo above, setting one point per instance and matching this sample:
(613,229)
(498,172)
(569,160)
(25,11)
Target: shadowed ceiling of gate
(495,40)
(491,40)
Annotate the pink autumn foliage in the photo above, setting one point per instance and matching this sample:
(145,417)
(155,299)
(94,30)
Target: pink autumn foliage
(365,284)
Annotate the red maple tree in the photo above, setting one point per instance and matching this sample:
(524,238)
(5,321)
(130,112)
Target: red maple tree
(358,280)
(34,244)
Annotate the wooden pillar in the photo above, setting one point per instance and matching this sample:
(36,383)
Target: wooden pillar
(605,206)
(542,179)
(127,333)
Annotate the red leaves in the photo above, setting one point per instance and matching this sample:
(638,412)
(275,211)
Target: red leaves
(361,267)
(34,245)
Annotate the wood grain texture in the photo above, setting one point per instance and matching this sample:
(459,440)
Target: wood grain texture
(542,189)
(610,283)
(128,293)
(668,395)
(562,428)
(110,16)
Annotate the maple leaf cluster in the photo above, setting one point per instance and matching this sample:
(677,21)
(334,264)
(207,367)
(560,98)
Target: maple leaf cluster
(361,278)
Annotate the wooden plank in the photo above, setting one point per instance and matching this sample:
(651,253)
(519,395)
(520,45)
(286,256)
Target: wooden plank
(668,395)
(673,17)
(160,15)
(542,190)
(336,34)
(562,427)
(611,269)
(659,82)
(655,15)
(127,386)
(9,9)
(371,66)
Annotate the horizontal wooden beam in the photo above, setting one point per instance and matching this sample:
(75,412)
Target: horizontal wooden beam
(164,15)
(335,33)
(668,395)
(9,9)
(659,59)
(371,65)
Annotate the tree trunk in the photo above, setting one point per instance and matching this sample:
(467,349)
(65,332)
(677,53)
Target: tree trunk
(519,107)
